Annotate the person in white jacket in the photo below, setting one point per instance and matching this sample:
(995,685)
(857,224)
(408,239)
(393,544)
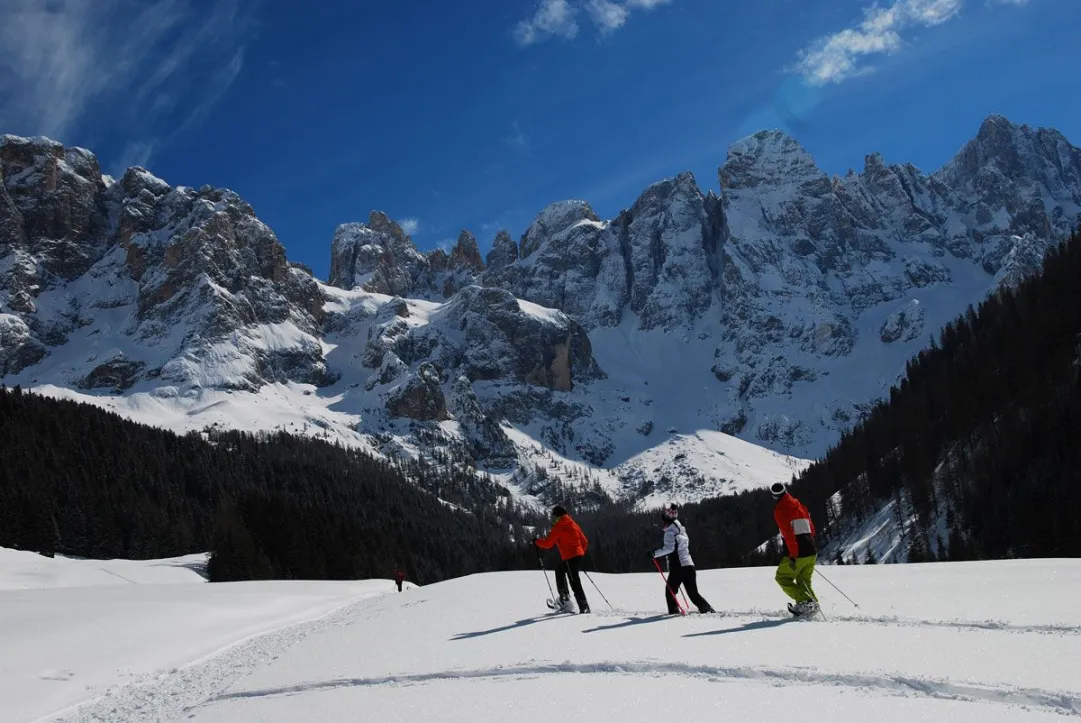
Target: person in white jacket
(680,565)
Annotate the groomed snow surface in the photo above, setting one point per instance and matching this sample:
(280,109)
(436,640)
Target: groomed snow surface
(981,642)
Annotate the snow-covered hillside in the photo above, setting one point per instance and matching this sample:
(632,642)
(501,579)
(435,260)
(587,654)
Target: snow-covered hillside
(981,642)
(21,570)
(625,352)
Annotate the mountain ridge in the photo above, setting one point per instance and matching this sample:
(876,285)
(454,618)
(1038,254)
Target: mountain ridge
(775,309)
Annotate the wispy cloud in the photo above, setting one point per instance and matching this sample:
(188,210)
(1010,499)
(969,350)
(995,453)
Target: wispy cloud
(553,18)
(71,66)
(516,139)
(837,57)
(409,225)
(559,18)
(608,16)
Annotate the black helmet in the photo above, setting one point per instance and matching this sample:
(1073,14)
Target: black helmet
(671,512)
(559,511)
(778,490)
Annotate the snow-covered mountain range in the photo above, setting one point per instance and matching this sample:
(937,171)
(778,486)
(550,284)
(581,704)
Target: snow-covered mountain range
(686,347)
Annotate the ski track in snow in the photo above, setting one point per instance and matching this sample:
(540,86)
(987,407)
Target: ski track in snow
(771,615)
(170,695)
(175,694)
(888,684)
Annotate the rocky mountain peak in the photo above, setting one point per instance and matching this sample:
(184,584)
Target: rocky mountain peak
(377,256)
(504,251)
(180,272)
(52,200)
(466,253)
(382,223)
(1005,161)
(770,158)
(137,179)
(555,218)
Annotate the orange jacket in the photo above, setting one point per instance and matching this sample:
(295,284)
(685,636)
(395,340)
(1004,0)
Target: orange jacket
(794,522)
(567,536)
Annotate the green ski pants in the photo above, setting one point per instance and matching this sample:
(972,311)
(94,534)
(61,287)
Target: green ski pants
(796,581)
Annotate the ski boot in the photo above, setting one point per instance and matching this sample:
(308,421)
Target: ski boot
(583,607)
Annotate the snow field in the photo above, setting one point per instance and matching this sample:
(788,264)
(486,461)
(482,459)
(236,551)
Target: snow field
(996,641)
(72,630)
(20,570)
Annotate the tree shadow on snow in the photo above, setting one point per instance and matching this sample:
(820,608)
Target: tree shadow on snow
(504,628)
(628,623)
(747,627)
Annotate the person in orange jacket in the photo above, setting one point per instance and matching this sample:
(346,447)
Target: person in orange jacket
(795,571)
(572,543)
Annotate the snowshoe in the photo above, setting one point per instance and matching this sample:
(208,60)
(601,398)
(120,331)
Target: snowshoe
(807,608)
(563,605)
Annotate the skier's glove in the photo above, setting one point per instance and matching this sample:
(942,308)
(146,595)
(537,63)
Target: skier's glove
(792,563)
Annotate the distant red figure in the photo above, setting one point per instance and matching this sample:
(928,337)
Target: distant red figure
(399,578)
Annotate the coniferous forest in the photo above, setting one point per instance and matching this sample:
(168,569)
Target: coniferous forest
(81,481)
(978,445)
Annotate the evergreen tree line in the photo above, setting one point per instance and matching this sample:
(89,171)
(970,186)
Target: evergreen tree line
(981,433)
(981,437)
(78,480)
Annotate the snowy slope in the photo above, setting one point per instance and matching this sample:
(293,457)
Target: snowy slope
(73,630)
(21,570)
(994,641)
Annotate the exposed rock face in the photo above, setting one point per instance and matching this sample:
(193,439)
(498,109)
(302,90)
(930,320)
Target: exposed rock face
(419,396)
(118,374)
(194,278)
(466,254)
(504,252)
(807,256)
(773,309)
(560,259)
(906,323)
(657,260)
(487,334)
(379,257)
(488,440)
(18,348)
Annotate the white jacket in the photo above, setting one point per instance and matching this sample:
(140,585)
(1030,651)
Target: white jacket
(676,540)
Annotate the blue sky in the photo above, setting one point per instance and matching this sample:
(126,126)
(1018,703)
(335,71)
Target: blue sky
(476,115)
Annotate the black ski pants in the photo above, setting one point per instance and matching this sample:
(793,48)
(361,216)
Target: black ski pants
(570,568)
(686,576)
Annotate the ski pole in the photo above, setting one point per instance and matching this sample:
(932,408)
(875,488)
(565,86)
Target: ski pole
(837,588)
(809,591)
(545,571)
(598,590)
(682,610)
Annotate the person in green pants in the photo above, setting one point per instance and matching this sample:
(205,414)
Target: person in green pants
(795,571)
